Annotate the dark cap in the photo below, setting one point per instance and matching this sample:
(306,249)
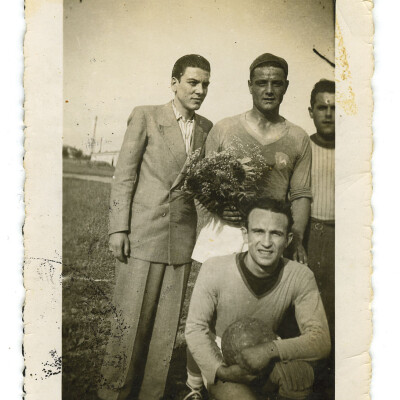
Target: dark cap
(268,57)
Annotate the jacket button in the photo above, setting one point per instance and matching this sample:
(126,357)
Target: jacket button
(163,214)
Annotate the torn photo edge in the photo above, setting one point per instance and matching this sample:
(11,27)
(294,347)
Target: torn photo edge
(43,197)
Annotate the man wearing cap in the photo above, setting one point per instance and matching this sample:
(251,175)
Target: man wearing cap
(152,234)
(285,146)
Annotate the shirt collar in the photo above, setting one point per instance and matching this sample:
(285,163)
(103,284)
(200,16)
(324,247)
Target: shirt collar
(178,115)
(327,145)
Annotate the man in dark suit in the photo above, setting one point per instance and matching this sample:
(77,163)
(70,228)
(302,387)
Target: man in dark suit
(152,234)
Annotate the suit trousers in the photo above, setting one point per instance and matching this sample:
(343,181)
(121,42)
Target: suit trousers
(147,303)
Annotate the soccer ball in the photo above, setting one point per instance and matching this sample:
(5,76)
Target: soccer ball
(245,332)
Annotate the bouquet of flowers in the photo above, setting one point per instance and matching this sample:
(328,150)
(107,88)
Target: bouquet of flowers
(228,179)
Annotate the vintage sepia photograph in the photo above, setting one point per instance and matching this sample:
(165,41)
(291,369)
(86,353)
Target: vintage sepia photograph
(198,200)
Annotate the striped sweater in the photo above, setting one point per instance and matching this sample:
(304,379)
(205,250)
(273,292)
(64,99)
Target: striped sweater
(322,181)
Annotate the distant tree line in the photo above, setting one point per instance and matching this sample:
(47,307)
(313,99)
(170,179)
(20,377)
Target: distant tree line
(73,152)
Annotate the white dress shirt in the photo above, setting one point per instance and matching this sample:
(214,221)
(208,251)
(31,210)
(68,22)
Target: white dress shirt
(187,127)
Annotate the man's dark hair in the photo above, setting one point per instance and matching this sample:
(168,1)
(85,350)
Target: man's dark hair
(322,86)
(190,60)
(268,64)
(269,204)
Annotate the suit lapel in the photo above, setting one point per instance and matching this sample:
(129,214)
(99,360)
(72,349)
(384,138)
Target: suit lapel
(199,136)
(172,134)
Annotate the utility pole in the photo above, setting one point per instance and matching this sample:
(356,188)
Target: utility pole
(93,141)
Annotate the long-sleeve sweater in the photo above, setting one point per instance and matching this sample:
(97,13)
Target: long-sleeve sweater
(221,297)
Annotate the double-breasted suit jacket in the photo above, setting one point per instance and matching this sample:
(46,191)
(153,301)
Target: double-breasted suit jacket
(146,202)
(145,196)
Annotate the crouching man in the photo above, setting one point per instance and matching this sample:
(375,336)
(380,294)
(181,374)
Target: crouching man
(262,284)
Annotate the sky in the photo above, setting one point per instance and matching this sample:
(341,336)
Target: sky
(119,54)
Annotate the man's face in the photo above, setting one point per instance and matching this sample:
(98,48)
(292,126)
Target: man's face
(191,89)
(267,238)
(323,113)
(268,86)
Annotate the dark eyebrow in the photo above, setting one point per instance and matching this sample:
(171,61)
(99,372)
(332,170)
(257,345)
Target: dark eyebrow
(261,80)
(193,80)
(257,229)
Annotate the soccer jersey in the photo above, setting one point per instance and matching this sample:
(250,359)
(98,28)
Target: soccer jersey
(290,178)
(221,297)
(289,155)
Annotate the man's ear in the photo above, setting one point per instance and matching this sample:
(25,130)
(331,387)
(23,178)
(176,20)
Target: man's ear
(244,233)
(174,81)
(287,85)
(250,86)
(310,111)
(289,239)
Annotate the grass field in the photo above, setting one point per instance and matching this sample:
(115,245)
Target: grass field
(86,167)
(88,271)
(88,277)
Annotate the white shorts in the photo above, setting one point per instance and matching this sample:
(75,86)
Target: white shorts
(217,238)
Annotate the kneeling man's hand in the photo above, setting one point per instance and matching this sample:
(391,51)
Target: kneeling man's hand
(119,245)
(257,358)
(234,373)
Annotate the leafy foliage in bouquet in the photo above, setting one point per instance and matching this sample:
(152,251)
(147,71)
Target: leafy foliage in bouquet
(230,178)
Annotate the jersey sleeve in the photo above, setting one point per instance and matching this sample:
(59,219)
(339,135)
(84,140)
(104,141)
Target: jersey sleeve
(300,182)
(199,336)
(314,340)
(215,140)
